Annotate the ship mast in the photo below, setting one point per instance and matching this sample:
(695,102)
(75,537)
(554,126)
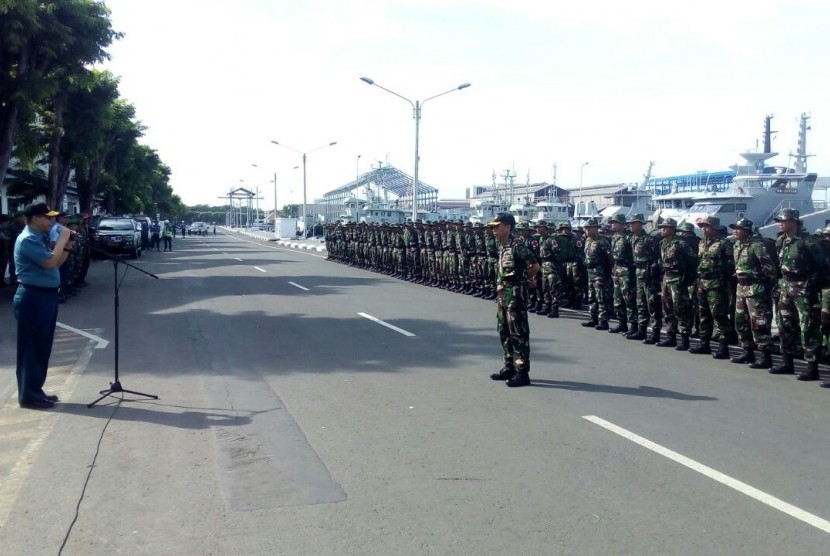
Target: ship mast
(801,155)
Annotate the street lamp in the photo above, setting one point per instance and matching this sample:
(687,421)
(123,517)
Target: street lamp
(416,114)
(333,143)
(581,170)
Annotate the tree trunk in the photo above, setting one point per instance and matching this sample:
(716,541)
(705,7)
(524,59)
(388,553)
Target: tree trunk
(54,197)
(8,132)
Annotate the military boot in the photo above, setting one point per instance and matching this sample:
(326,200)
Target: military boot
(811,373)
(533,306)
(723,350)
(622,326)
(505,373)
(702,347)
(639,333)
(589,323)
(824,383)
(684,343)
(553,313)
(669,342)
(603,325)
(653,338)
(766,360)
(544,310)
(521,378)
(785,368)
(748,356)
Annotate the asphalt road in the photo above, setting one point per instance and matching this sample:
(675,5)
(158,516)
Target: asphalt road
(289,421)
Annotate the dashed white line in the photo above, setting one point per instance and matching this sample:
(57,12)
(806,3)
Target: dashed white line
(238,259)
(386,324)
(741,487)
(260,269)
(299,286)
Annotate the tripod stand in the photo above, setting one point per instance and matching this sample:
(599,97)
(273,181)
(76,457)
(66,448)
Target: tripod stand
(116,385)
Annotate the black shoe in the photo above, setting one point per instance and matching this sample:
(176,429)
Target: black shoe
(810,374)
(765,362)
(519,379)
(785,368)
(603,325)
(748,356)
(621,327)
(506,373)
(684,343)
(702,347)
(824,383)
(639,333)
(723,350)
(653,339)
(52,398)
(669,342)
(38,404)
(589,323)
(553,313)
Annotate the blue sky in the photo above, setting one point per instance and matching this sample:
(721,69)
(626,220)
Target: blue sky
(615,84)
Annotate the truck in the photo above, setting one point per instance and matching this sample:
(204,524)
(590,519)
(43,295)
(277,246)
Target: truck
(285,228)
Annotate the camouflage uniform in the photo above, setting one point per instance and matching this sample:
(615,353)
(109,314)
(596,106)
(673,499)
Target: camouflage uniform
(550,277)
(678,265)
(598,264)
(715,269)
(623,276)
(645,248)
(576,275)
(803,268)
(756,274)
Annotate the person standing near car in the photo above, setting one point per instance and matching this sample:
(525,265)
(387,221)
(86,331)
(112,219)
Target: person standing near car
(155,231)
(167,235)
(36,302)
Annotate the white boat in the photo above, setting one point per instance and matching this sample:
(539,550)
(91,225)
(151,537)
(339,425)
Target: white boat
(551,212)
(484,210)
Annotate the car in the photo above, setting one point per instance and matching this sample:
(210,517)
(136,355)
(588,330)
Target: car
(118,236)
(198,228)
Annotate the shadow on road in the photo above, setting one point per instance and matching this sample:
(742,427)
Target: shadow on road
(644,391)
(156,414)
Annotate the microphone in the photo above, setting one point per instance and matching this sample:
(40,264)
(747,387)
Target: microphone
(72,234)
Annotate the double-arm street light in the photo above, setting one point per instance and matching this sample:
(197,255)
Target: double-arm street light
(333,143)
(416,114)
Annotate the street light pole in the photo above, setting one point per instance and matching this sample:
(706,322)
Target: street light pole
(581,169)
(333,143)
(416,114)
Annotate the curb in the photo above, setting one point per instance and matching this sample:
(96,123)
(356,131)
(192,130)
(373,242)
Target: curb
(284,242)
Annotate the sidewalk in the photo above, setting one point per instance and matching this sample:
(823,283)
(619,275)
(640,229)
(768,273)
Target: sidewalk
(310,244)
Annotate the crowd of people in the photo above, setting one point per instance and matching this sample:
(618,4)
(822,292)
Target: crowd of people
(662,282)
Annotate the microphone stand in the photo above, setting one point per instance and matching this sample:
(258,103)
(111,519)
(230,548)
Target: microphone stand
(115,386)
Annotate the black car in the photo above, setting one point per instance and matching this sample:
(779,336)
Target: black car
(118,235)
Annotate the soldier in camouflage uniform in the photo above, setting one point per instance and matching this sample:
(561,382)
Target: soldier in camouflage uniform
(756,274)
(715,269)
(598,264)
(803,273)
(492,248)
(645,248)
(479,261)
(549,276)
(566,253)
(535,297)
(686,232)
(576,274)
(679,265)
(825,304)
(517,268)
(622,275)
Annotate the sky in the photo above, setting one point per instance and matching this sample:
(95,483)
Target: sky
(553,85)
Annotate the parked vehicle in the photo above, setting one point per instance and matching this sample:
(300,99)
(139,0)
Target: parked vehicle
(117,235)
(199,228)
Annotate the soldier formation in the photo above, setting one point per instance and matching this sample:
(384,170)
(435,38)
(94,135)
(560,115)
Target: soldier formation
(663,285)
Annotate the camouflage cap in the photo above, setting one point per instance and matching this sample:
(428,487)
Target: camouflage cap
(787,214)
(564,224)
(478,225)
(522,226)
(668,223)
(686,227)
(712,221)
(637,218)
(742,224)
(542,224)
(620,218)
(591,223)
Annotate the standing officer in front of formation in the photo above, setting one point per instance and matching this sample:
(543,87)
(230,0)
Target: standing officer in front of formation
(715,269)
(756,275)
(804,271)
(623,276)
(598,263)
(516,271)
(679,267)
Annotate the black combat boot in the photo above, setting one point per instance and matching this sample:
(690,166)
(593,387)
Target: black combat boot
(505,373)
(702,347)
(669,342)
(603,325)
(684,343)
(532,306)
(653,338)
(622,326)
(544,310)
(748,356)
(553,313)
(589,323)
(766,360)
(824,383)
(639,333)
(785,368)
(521,378)
(723,350)
(811,373)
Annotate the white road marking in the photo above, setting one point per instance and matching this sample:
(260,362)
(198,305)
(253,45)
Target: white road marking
(752,492)
(299,286)
(386,324)
(100,342)
(260,244)
(238,259)
(260,269)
